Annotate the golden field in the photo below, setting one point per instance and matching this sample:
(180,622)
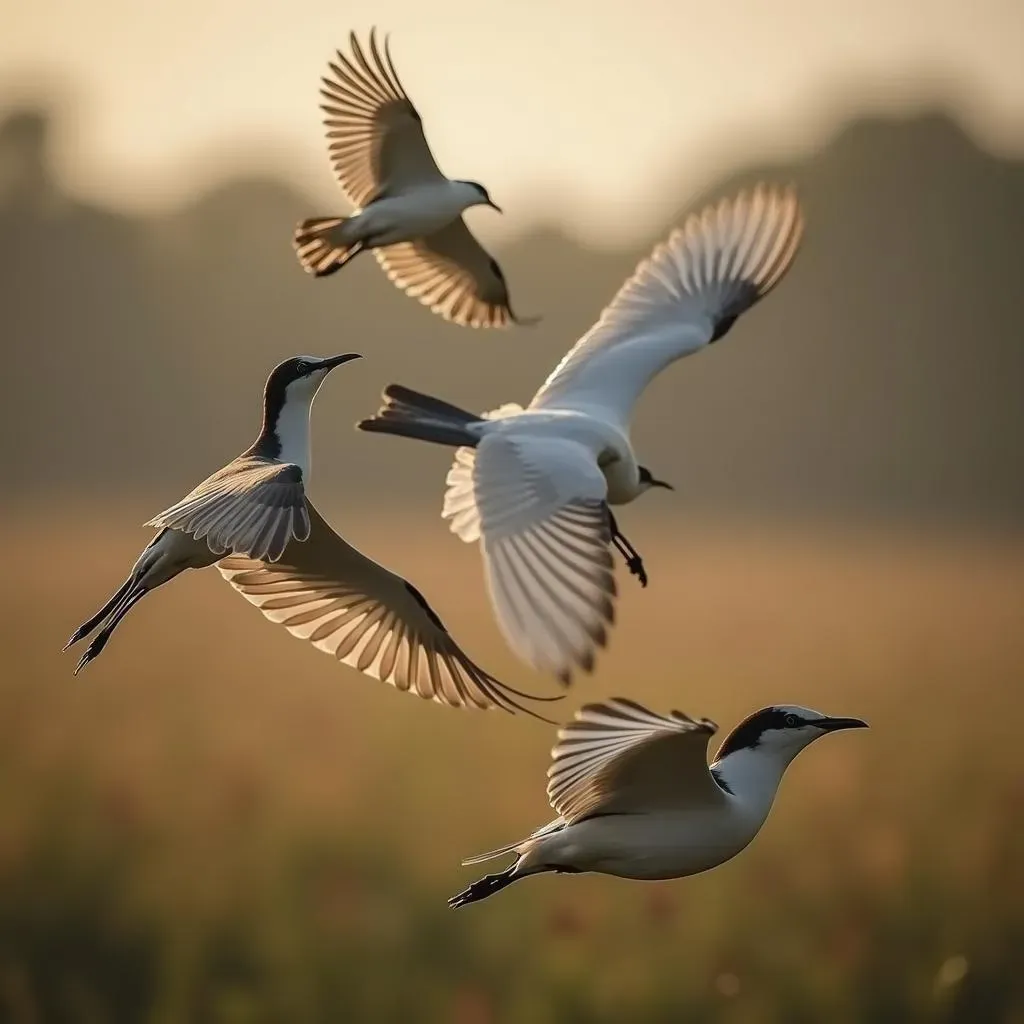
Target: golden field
(215,823)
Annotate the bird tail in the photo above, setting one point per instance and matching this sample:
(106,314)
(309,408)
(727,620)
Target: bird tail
(484,887)
(409,413)
(519,845)
(319,246)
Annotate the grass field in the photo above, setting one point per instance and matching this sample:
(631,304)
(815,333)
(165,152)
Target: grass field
(215,823)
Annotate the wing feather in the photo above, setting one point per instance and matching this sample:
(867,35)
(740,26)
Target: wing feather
(687,294)
(330,594)
(253,506)
(619,757)
(375,134)
(452,274)
(539,511)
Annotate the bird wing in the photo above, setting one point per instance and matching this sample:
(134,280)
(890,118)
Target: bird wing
(453,274)
(371,619)
(617,757)
(685,295)
(253,506)
(374,133)
(538,508)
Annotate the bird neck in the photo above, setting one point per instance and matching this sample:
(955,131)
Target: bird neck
(752,777)
(284,434)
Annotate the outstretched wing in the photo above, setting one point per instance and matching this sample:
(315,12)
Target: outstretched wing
(374,133)
(252,506)
(538,507)
(327,592)
(453,274)
(687,294)
(619,758)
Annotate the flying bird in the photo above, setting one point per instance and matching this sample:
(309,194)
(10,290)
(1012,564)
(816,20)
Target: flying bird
(534,486)
(254,519)
(407,211)
(635,796)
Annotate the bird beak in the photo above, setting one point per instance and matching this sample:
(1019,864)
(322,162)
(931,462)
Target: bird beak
(835,724)
(661,483)
(332,361)
(494,206)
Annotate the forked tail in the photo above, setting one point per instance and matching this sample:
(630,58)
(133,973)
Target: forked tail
(318,245)
(409,413)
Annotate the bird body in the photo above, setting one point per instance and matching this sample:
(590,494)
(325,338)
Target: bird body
(535,486)
(637,799)
(416,213)
(677,844)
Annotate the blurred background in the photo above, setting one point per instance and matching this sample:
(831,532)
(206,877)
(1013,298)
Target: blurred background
(215,823)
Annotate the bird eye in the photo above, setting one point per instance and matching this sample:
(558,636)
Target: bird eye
(301,366)
(792,721)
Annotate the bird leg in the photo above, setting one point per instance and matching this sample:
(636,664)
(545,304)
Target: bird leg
(634,562)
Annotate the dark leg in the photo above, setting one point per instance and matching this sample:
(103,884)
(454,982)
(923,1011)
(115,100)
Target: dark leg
(634,562)
(484,887)
(100,640)
(90,624)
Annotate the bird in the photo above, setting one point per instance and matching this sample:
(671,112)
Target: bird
(269,541)
(407,212)
(534,486)
(636,798)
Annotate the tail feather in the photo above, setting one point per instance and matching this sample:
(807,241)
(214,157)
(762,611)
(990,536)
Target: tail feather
(409,413)
(484,887)
(319,247)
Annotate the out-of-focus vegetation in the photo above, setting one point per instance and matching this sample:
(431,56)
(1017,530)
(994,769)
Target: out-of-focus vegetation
(214,823)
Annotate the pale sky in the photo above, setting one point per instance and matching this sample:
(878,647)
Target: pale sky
(586,108)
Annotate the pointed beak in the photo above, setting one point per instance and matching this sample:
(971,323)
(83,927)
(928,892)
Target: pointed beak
(835,724)
(494,206)
(332,361)
(661,483)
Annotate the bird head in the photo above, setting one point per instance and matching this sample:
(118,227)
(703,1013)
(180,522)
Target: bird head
(783,731)
(648,480)
(476,195)
(300,377)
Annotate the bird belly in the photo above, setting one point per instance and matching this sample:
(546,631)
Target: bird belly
(403,218)
(646,846)
(170,553)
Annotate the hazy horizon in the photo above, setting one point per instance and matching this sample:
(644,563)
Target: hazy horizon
(143,128)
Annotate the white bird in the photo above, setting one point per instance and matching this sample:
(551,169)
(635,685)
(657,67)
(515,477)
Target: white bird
(635,796)
(407,211)
(284,558)
(534,485)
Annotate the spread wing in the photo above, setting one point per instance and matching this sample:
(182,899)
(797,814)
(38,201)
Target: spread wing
(687,294)
(538,507)
(327,592)
(374,133)
(454,275)
(252,506)
(619,758)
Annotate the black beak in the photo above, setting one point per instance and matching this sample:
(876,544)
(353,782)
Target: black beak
(332,361)
(835,724)
(494,206)
(661,483)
